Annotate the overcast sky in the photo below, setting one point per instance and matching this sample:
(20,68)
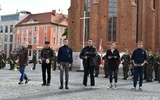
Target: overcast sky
(33,6)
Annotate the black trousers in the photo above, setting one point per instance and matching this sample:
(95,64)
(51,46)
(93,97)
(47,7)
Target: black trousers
(138,72)
(46,67)
(115,71)
(88,70)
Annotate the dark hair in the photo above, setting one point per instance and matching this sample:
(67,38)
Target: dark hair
(65,39)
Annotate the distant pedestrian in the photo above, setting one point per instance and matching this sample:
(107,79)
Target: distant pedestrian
(65,59)
(88,54)
(34,60)
(46,57)
(139,58)
(113,63)
(23,62)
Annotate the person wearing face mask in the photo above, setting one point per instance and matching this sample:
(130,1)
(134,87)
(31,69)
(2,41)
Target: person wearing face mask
(46,57)
(113,62)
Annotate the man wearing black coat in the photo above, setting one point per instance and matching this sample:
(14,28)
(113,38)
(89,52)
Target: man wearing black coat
(46,56)
(88,54)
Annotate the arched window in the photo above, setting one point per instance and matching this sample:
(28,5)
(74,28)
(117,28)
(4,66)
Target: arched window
(87,21)
(154,4)
(137,35)
(112,20)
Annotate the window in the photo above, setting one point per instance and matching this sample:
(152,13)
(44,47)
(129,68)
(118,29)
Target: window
(45,39)
(11,29)
(35,40)
(6,29)
(45,28)
(154,4)
(18,41)
(137,28)
(30,35)
(62,30)
(5,47)
(54,41)
(35,29)
(30,42)
(6,38)
(112,20)
(11,38)
(18,31)
(1,29)
(61,41)
(87,21)
(10,48)
(24,39)
(54,28)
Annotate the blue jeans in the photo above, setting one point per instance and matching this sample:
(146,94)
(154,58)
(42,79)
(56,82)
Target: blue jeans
(138,72)
(23,75)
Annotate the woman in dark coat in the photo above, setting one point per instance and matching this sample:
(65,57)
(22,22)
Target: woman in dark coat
(113,62)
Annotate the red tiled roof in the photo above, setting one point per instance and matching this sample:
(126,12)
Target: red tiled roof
(42,18)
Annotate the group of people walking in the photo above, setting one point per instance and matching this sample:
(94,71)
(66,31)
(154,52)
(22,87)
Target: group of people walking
(139,59)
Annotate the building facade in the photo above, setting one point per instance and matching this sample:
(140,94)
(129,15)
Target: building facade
(38,28)
(122,21)
(7,30)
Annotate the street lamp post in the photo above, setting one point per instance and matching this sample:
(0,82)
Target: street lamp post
(84,18)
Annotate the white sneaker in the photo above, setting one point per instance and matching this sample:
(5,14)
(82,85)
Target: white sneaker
(115,86)
(110,87)
(140,89)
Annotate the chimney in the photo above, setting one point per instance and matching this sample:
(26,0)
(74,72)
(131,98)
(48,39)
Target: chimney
(54,12)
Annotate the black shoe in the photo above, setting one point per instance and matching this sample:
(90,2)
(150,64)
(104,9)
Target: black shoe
(155,80)
(158,81)
(27,81)
(124,78)
(92,85)
(66,87)
(21,82)
(105,77)
(96,76)
(48,84)
(43,84)
(61,87)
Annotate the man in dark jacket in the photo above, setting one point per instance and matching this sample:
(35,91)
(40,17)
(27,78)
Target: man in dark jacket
(88,54)
(65,60)
(46,57)
(139,58)
(23,62)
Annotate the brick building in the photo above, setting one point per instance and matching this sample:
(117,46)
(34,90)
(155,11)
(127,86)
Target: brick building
(38,28)
(122,21)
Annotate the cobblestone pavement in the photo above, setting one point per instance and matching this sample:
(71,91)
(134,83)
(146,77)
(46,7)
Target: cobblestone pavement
(11,90)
